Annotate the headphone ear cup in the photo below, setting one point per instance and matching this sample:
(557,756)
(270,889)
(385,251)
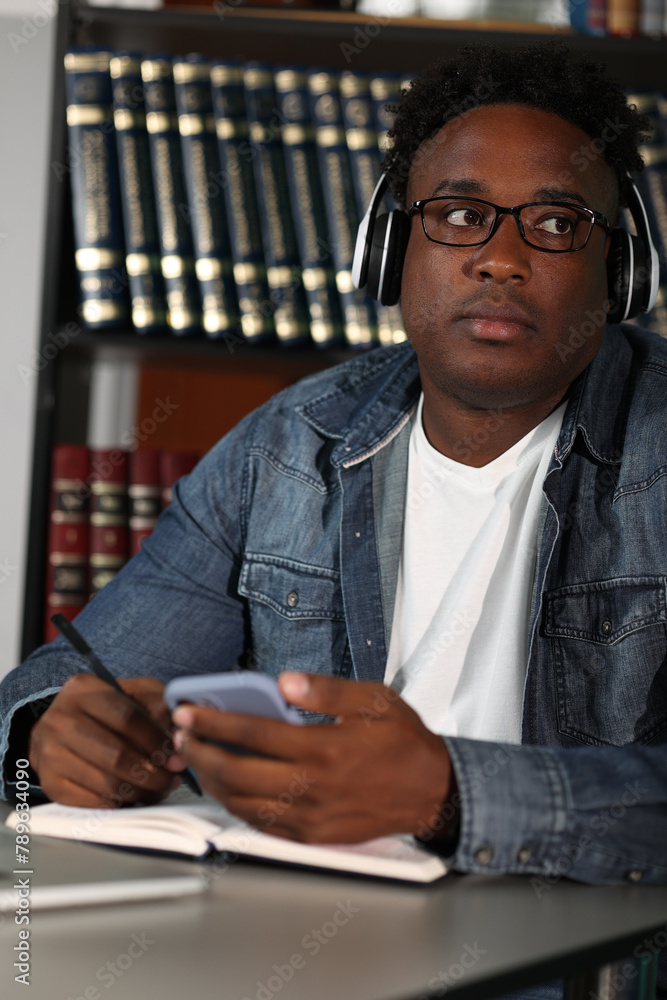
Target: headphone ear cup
(385,256)
(618,274)
(390,292)
(628,276)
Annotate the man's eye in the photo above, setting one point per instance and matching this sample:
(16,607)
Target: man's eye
(557,225)
(463,217)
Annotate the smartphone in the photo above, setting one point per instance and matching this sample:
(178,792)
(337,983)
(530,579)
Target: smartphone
(233,691)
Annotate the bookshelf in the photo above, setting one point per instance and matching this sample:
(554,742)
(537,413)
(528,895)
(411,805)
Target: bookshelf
(339,39)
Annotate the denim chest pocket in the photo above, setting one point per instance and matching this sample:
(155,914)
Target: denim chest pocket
(296,615)
(609,642)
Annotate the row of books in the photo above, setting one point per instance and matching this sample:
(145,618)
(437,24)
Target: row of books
(103,503)
(223,198)
(626,18)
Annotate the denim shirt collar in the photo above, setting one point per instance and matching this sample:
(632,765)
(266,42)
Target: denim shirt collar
(363,420)
(369,404)
(595,402)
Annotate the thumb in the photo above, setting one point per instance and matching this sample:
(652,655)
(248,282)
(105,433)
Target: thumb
(336,696)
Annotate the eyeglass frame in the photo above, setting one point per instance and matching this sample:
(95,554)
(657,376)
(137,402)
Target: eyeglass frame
(595,218)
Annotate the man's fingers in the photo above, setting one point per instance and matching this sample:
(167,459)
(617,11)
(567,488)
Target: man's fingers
(338,696)
(267,737)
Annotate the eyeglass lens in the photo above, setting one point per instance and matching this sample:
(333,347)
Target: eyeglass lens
(465,222)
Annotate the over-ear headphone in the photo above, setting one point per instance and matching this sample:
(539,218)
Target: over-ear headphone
(632,262)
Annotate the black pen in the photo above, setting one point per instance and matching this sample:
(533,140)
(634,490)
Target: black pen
(77,641)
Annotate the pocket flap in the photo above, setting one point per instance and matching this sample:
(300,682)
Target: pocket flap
(606,610)
(293,589)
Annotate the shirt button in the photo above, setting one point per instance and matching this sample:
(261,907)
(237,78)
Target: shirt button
(483,855)
(634,875)
(292,598)
(524,855)
(605,628)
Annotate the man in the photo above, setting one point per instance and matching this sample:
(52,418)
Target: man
(473,521)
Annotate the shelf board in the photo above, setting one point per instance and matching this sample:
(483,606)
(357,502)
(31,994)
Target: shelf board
(341,38)
(130,346)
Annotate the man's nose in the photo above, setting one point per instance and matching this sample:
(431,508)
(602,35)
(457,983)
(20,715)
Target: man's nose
(505,257)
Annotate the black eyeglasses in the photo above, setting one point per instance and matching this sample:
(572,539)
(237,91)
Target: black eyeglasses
(553,226)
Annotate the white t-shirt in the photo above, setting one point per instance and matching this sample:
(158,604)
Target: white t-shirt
(459,640)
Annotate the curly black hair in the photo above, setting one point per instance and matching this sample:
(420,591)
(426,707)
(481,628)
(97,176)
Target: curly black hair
(543,75)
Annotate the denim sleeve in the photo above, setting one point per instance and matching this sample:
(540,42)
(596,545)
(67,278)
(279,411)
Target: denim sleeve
(173,609)
(595,814)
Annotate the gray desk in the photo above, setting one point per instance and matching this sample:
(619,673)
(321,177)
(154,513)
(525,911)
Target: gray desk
(380,941)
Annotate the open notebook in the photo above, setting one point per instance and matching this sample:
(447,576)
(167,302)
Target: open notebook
(198,829)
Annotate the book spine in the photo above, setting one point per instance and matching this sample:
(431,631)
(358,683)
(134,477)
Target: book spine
(143,495)
(108,537)
(231,125)
(177,259)
(98,234)
(597,17)
(651,17)
(173,465)
(623,17)
(358,309)
(142,246)
(212,251)
(385,94)
(307,199)
(281,253)
(360,135)
(67,550)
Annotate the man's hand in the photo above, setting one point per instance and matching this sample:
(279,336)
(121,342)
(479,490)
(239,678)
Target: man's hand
(377,770)
(91,747)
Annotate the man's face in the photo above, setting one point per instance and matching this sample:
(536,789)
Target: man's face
(492,324)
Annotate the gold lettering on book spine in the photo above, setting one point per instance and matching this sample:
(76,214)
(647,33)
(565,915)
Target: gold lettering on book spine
(302,185)
(337,195)
(95,177)
(164,191)
(274,215)
(206,239)
(244,242)
(132,188)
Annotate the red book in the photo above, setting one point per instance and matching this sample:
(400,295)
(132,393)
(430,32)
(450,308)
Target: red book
(144,495)
(108,532)
(173,465)
(67,554)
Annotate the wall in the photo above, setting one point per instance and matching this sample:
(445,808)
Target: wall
(27,37)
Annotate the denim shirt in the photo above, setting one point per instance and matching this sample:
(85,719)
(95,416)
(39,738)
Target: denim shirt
(281,550)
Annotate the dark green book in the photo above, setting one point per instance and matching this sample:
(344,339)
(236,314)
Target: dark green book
(281,253)
(204,185)
(96,205)
(142,245)
(307,198)
(339,202)
(231,124)
(177,257)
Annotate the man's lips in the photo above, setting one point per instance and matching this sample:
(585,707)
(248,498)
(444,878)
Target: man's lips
(504,321)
